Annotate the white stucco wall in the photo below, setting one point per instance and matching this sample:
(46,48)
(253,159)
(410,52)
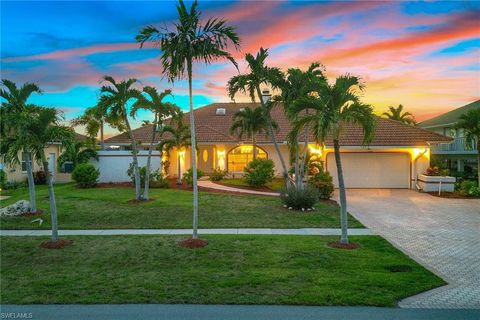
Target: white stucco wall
(113,165)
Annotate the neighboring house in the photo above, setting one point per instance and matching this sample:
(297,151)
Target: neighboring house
(392,160)
(457,156)
(53,150)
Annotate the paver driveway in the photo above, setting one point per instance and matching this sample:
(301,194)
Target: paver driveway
(441,234)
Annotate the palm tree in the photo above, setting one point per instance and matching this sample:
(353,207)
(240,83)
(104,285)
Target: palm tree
(41,126)
(335,106)
(398,114)
(250,83)
(153,100)
(298,84)
(180,138)
(469,122)
(10,146)
(188,42)
(78,152)
(249,122)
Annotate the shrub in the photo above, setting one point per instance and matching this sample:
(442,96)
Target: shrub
(436,171)
(85,175)
(469,188)
(3,178)
(188,176)
(304,198)
(10,185)
(158,180)
(259,172)
(322,181)
(218,174)
(39,178)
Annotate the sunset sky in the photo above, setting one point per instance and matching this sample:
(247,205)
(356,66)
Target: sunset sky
(424,55)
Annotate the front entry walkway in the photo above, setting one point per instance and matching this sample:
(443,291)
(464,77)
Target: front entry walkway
(441,234)
(211,185)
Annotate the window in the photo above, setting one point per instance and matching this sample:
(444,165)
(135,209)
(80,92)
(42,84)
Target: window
(239,157)
(24,162)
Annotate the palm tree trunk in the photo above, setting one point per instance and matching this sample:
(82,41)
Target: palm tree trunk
(135,161)
(343,197)
(179,169)
(298,176)
(305,148)
(147,169)
(51,196)
(274,140)
(194,158)
(31,182)
(102,140)
(254,143)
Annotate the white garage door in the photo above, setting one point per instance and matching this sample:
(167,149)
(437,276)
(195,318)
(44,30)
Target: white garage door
(372,170)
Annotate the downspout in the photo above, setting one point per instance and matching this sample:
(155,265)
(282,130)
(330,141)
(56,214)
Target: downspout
(415,165)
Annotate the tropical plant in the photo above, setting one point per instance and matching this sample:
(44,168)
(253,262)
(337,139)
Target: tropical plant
(299,199)
(39,177)
(217,174)
(469,123)
(250,84)
(3,178)
(259,172)
(10,145)
(191,41)
(115,98)
(335,106)
(469,188)
(398,114)
(188,176)
(85,175)
(77,153)
(179,139)
(152,100)
(249,122)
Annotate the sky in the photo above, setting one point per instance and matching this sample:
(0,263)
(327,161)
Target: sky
(424,55)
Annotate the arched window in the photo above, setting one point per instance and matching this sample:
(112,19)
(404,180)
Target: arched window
(239,156)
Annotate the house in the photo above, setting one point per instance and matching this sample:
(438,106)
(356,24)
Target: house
(53,150)
(458,156)
(392,160)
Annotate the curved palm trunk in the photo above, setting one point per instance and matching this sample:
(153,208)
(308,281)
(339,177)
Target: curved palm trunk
(135,161)
(343,197)
(179,169)
(305,148)
(194,158)
(51,196)
(102,140)
(31,183)
(147,169)
(298,176)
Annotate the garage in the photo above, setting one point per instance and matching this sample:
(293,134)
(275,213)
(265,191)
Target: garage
(372,170)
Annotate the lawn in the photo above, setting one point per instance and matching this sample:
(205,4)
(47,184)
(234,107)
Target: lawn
(276,184)
(294,270)
(107,208)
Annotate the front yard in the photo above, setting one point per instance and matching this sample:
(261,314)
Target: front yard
(296,270)
(108,208)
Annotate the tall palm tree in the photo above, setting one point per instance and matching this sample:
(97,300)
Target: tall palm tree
(115,99)
(335,106)
(152,100)
(42,126)
(180,137)
(299,84)
(191,41)
(469,122)
(249,122)
(15,104)
(398,114)
(250,84)
(78,152)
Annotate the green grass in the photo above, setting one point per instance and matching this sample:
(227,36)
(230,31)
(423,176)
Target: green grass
(294,270)
(107,208)
(276,185)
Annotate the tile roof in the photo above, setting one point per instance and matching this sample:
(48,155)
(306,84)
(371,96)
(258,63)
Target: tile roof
(450,117)
(212,128)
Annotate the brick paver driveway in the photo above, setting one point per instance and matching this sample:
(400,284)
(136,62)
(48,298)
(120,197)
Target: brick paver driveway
(441,234)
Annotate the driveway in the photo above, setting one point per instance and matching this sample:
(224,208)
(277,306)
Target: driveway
(441,234)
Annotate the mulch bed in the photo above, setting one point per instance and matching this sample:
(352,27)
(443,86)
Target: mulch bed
(450,195)
(135,201)
(33,214)
(59,244)
(193,243)
(115,185)
(346,246)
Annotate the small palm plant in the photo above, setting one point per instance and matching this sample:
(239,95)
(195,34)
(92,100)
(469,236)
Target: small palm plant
(470,124)
(179,139)
(249,122)
(191,41)
(152,100)
(398,114)
(335,106)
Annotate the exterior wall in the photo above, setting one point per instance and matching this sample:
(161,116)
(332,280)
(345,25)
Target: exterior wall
(113,165)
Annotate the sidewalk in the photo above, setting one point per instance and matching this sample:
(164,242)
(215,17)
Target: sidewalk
(253,231)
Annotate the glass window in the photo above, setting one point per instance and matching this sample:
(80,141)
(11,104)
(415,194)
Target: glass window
(239,157)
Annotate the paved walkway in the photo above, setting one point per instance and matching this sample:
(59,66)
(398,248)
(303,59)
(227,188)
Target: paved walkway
(211,185)
(228,312)
(441,234)
(259,231)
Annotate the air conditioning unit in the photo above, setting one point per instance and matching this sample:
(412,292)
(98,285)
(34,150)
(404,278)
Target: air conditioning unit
(221,111)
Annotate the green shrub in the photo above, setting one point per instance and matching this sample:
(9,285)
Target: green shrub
(3,178)
(39,178)
(10,185)
(158,180)
(302,199)
(218,174)
(259,172)
(85,175)
(469,188)
(188,176)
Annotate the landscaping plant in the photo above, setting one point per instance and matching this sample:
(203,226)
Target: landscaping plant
(259,172)
(85,175)
(218,174)
(321,180)
(39,177)
(299,199)
(188,176)
(470,124)
(469,188)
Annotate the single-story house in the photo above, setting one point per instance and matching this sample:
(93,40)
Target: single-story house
(394,158)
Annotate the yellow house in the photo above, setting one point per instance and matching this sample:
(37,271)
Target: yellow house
(397,154)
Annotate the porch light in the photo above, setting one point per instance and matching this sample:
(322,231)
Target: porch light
(419,152)
(221,159)
(266,96)
(316,150)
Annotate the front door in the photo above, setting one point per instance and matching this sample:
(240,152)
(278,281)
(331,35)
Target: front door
(51,165)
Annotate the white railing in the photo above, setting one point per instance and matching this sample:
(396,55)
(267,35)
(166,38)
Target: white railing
(457,145)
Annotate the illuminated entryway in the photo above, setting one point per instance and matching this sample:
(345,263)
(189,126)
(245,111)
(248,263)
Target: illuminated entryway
(239,157)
